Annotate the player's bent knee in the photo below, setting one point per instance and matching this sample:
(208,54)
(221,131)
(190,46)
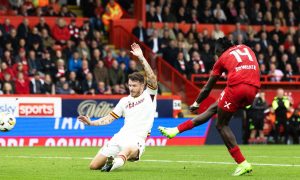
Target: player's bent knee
(95,166)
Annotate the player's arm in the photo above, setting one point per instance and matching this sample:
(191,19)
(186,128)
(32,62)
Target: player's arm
(99,122)
(151,77)
(205,91)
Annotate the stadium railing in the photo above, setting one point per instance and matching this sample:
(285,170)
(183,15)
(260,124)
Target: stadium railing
(266,80)
(166,74)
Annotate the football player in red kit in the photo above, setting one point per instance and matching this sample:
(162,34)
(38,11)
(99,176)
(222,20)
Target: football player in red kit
(243,82)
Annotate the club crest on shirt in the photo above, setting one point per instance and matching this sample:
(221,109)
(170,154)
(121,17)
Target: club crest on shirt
(133,104)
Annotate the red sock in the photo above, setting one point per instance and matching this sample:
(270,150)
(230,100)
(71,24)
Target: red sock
(187,125)
(236,154)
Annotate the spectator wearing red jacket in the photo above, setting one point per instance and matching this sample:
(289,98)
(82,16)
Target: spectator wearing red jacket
(61,32)
(22,84)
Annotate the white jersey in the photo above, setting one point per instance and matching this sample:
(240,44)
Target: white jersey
(138,112)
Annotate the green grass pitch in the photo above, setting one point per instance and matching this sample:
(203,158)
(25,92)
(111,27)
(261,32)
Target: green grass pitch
(203,162)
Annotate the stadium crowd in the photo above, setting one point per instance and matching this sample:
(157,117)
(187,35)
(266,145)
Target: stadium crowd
(278,52)
(63,59)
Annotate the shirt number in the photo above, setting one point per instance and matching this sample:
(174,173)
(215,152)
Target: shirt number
(238,53)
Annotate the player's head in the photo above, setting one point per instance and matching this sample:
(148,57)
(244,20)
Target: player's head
(136,84)
(221,45)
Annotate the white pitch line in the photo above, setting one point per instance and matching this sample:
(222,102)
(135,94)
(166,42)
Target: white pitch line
(154,160)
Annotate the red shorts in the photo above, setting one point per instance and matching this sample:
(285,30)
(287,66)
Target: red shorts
(235,97)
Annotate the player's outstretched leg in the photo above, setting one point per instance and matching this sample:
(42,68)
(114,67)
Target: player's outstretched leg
(230,142)
(189,124)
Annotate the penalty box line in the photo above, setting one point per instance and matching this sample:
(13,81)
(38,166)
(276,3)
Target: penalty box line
(154,160)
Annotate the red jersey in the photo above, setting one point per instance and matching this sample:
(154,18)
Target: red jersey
(240,64)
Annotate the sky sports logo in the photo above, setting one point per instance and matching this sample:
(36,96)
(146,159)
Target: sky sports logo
(6,108)
(36,109)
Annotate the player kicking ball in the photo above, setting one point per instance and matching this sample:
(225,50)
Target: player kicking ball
(243,82)
(138,110)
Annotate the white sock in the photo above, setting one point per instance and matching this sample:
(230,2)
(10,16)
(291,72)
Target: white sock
(118,162)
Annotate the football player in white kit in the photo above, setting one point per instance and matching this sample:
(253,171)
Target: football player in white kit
(138,109)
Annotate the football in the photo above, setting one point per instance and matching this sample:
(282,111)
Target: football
(7,122)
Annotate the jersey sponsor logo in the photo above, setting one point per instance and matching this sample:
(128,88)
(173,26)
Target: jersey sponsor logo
(133,104)
(36,109)
(227,104)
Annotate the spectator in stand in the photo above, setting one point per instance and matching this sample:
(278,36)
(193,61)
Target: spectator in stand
(43,25)
(47,41)
(12,39)
(7,27)
(74,83)
(101,73)
(276,74)
(108,60)
(123,58)
(168,16)
(278,32)
(82,48)
(217,32)
(75,62)
(221,15)
(7,78)
(84,70)
(159,14)
(61,32)
(281,105)
(263,69)
(65,89)
(49,87)
(151,16)
(102,88)
(238,31)
(154,42)
(170,53)
(60,70)
(22,84)
(181,64)
(34,63)
(288,73)
(36,84)
(89,86)
(116,75)
(113,11)
(132,68)
(23,29)
(48,64)
(196,59)
(74,30)
(140,32)
(182,16)
(7,88)
(65,12)
(243,17)
(231,12)
(33,37)
(292,20)
(8,58)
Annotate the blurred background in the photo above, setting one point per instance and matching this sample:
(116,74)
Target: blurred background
(61,58)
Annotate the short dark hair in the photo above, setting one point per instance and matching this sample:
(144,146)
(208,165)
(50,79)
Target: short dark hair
(221,45)
(136,76)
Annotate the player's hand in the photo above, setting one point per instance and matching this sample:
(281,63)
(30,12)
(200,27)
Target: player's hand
(194,107)
(85,120)
(136,50)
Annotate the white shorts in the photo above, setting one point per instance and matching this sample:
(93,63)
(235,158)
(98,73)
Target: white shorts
(117,144)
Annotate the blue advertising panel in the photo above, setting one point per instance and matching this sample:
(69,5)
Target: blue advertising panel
(70,132)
